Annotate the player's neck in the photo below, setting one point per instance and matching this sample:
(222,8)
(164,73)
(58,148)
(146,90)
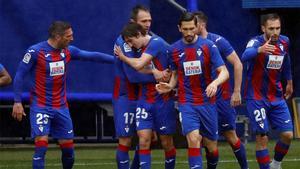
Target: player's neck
(52,43)
(147,40)
(204,34)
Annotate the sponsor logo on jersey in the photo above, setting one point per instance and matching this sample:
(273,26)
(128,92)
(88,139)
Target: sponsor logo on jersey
(27,58)
(192,68)
(57,68)
(275,61)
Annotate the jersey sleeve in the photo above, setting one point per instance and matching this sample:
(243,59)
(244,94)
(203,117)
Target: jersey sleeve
(251,50)
(78,54)
(216,58)
(154,47)
(224,47)
(286,70)
(25,66)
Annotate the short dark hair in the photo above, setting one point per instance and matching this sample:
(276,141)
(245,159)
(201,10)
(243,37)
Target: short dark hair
(58,28)
(136,9)
(270,16)
(187,16)
(132,30)
(201,16)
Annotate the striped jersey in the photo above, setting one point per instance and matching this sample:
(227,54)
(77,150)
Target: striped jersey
(196,66)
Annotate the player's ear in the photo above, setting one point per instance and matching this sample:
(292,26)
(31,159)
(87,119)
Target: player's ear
(179,28)
(263,28)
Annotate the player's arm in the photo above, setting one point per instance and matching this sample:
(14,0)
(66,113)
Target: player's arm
(136,63)
(5,78)
(135,76)
(287,75)
(25,66)
(79,54)
(163,87)
(223,75)
(253,49)
(234,60)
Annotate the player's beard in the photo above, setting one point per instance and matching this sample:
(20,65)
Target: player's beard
(189,38)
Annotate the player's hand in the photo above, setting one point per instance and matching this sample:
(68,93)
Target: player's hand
(267,48)
(161,76)
(163,87)
(236,99)
(18,111)
(118,52)
(288,91)
(211,89)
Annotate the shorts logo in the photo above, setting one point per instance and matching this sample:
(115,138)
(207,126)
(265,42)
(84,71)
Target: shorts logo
(41,128)
(71,131)
(261,125)
(126,129)
(57,68)
(27,58)
(163,127)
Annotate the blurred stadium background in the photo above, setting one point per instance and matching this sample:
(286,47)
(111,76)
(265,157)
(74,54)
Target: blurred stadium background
(96,25)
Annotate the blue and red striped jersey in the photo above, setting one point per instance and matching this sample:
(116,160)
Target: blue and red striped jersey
(225,49)
(196,66)
(159,49)
(47,67)
(126,78)
(265,71)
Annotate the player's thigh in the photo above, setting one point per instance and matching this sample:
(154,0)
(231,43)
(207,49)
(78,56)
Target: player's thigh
(209,121)
(124,117)
(226,116)
(62,127)
(189,118)
(144,115)
(257,111)
(279,116)
(165,117)
(40,121)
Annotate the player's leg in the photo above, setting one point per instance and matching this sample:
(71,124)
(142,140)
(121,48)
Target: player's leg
(209,132)
(237,147)
(257,112)
(40,129)
(281,121)
(165,126)
(144,126)
(124,112)
(62,129)
(190,124)
(227,126)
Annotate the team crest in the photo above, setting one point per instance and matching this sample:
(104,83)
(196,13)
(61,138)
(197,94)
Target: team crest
(199,52)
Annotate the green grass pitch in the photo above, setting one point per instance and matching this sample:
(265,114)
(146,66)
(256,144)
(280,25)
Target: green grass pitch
(100,157)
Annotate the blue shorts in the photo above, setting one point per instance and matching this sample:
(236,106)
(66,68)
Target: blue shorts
(203,118)
(159,116)
(264,112)
(124,116)
(54,122)
(226,115)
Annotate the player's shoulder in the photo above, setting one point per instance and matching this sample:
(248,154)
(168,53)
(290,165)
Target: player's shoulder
(215,37)
(38,47)
(284,38)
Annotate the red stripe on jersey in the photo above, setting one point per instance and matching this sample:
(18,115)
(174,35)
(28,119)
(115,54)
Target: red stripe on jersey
(226,90)
(180,74)
(131,90)
(117,85)
(194,79)
(157,64)
(40,79)
(57,82)
(257,76)
(68,55)
(150,92)
(272,85)
(207,70)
